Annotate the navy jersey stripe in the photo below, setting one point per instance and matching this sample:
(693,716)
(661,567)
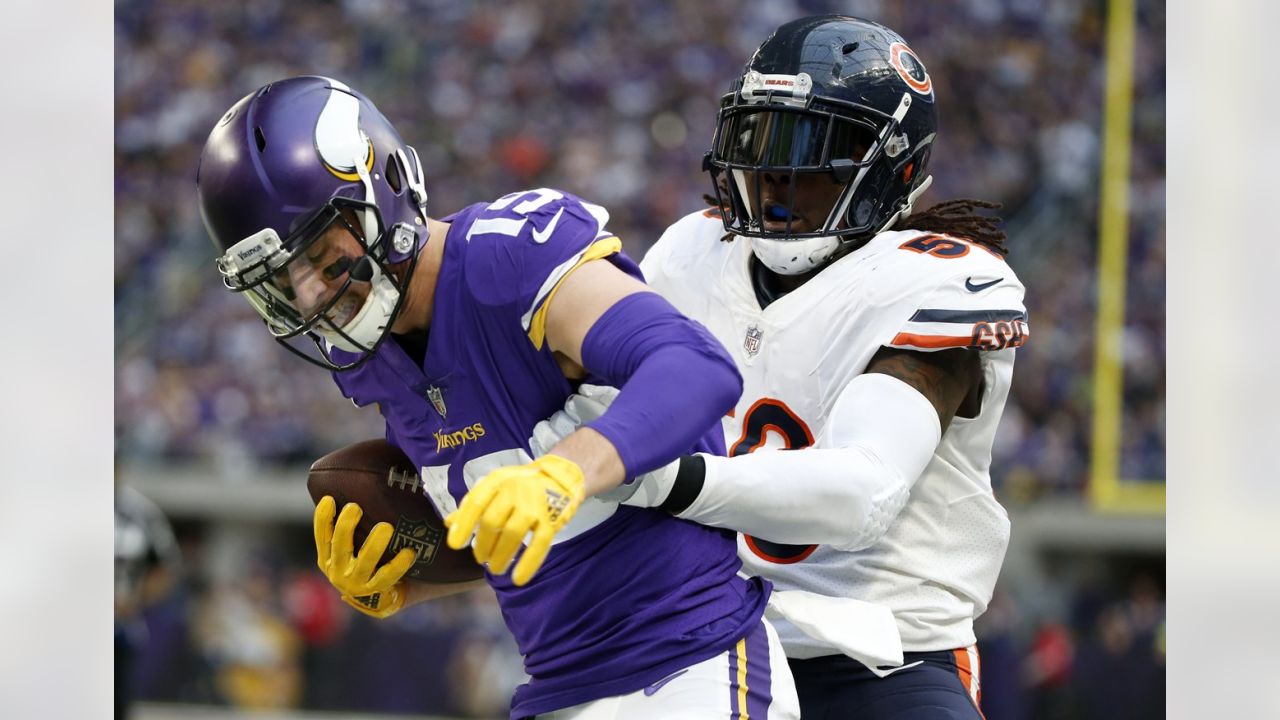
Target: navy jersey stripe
(966,316)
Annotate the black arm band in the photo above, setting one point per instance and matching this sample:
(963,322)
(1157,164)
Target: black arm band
(687,485)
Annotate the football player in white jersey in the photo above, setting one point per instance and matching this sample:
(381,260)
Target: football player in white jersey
(880,341)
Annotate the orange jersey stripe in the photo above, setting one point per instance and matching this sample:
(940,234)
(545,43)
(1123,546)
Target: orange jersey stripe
(962,664)
(965,670)
(931,341)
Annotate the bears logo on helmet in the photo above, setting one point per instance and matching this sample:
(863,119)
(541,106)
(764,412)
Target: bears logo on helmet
(910,68)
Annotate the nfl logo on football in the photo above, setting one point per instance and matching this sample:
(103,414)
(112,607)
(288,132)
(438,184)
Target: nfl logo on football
(752,342)
(417,536)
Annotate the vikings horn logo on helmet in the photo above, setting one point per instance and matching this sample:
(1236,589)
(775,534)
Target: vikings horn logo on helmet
(338,136)
(286,164)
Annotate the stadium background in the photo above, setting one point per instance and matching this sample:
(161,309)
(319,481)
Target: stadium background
(615,102)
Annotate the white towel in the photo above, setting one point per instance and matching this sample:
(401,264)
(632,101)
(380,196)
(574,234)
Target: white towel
(864,631)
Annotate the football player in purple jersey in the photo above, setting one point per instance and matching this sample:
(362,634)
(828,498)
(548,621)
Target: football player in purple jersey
(466,331)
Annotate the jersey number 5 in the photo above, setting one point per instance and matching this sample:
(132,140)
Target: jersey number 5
(765,416)
(936,245)
(944,247)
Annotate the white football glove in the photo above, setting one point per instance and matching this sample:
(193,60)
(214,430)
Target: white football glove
(584,406)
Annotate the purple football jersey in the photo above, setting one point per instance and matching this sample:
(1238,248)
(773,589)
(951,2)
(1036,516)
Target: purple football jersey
(631,595)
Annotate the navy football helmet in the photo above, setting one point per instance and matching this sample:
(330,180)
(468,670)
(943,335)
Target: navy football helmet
(824,141)
(311,197)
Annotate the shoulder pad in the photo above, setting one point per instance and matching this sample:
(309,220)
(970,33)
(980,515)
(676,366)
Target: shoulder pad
(687,240)
(522,239)
(954,293)
(934,249)
(541,217)
(912,262)
(522,246)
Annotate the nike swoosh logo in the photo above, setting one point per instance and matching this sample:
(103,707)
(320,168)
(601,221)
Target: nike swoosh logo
(891,670)
(542,237)
(658,685)
(968,284)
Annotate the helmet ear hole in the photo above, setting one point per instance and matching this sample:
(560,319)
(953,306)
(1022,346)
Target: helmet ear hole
(392,173)
(259,139)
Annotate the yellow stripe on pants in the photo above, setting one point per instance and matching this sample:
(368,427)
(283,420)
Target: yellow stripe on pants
(742,679)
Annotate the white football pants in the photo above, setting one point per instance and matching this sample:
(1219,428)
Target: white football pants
(751,681)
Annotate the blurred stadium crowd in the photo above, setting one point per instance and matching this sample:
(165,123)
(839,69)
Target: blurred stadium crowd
(615,102)
(1083,650)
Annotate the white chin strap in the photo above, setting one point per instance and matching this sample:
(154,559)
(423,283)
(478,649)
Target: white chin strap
(368,325)
(794,257)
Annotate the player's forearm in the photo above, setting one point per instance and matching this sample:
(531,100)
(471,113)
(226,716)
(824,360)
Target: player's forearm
(675,397)
(881,436)
(675,381)
(602,467)
(417,592)
(842,497)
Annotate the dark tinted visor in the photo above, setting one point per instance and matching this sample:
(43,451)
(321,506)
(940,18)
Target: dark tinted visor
(791,139)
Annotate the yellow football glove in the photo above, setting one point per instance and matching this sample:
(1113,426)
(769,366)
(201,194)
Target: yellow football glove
(372,590)
(512,501)
(379,605)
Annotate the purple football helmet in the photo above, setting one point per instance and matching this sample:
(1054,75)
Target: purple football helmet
(311,197)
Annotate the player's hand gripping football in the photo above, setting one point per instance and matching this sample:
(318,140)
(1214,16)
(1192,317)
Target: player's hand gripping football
(374,591)
(511,502)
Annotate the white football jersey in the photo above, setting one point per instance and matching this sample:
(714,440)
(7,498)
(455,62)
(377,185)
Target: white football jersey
(936,566)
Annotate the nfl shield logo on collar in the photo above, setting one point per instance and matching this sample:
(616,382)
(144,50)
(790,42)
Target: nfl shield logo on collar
(752,342)
(436,396)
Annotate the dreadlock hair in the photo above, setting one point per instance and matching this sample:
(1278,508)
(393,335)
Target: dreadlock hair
(953,217)
(958,218)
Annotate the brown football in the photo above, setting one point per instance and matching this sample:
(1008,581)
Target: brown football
(382,480)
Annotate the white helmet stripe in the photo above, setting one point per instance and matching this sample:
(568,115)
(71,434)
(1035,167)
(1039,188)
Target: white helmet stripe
(338,138)
(337,84)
